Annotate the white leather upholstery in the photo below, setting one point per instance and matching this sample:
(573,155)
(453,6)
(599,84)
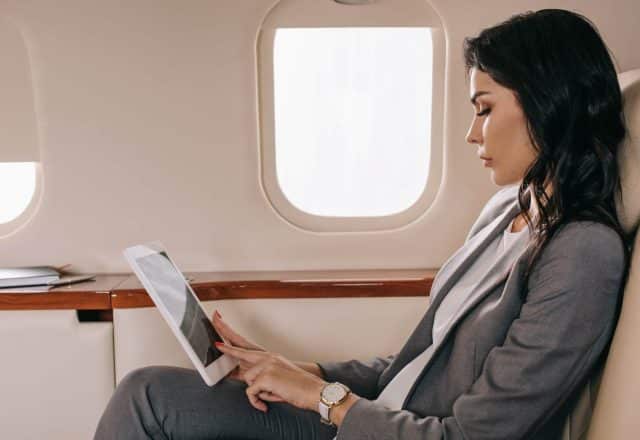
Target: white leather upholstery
(615,415)
(629,160)
(56,374)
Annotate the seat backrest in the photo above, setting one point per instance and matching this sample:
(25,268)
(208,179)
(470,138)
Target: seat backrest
(615,416)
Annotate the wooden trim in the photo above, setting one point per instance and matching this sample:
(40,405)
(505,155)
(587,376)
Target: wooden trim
(89,295)
(290,285)
(110,292)
(49,301)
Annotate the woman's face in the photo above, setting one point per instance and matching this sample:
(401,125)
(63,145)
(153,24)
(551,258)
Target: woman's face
(499,130)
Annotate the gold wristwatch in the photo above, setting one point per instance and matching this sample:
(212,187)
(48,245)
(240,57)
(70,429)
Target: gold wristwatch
(333,394)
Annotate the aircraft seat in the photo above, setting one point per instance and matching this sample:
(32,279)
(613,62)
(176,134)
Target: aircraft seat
(618,395)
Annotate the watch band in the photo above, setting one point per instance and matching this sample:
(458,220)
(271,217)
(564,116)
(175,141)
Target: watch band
(324,411)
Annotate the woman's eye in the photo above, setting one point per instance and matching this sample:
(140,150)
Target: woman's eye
(484,112)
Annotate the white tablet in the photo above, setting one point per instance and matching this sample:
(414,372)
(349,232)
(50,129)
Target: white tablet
(182,310)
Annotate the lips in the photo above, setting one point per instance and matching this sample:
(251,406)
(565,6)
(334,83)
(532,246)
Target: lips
(486,161)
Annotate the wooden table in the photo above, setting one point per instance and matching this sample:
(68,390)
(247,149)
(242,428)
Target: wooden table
(95,300)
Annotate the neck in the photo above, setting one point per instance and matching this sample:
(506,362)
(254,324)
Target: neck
(534,209)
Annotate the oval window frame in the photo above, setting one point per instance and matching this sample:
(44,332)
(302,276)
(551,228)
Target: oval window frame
(285,14)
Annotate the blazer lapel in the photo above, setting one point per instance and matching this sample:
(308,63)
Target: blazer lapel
(494,280)
(460,261)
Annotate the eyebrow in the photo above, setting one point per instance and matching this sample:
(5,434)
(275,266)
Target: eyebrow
(475,95)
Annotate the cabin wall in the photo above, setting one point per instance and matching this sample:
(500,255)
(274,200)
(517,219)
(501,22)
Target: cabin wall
(147,128)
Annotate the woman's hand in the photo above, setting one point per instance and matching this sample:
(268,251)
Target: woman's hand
(229,335)
(273,378)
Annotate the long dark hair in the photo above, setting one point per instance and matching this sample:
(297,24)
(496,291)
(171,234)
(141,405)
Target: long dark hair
(563,76)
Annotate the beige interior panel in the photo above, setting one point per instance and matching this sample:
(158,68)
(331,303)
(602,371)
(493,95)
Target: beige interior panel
(303,330)
(56,375)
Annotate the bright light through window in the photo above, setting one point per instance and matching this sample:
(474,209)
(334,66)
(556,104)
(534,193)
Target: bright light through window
(17,186)
(352,118)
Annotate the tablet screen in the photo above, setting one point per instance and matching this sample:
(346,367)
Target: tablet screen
(182,305)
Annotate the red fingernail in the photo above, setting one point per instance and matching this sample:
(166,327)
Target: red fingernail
(219,344)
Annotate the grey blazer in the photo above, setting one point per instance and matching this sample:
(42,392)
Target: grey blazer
(512,363)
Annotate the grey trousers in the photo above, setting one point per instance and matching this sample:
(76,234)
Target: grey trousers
(175,403)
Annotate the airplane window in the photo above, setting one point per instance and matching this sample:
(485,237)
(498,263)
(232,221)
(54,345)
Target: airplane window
(20,171)
(17,187)
(352,118)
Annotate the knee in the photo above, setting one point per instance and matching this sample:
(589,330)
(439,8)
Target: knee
(137,379)
(141,384)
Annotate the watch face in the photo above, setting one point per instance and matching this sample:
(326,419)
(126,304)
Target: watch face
(333,393)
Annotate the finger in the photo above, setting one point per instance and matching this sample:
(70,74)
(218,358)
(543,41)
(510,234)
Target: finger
(255,401)
(217,318)
(270,397)
(221,331)
(253,392)
(235,373)
(252,356)
(242,364)
(252,373)
(228,333)
(239,374)
(258,404)
(233,337)
(222,328)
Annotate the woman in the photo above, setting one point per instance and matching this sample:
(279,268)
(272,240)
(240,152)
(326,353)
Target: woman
(519,316)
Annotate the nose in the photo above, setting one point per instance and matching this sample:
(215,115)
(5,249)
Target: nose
(474,134)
